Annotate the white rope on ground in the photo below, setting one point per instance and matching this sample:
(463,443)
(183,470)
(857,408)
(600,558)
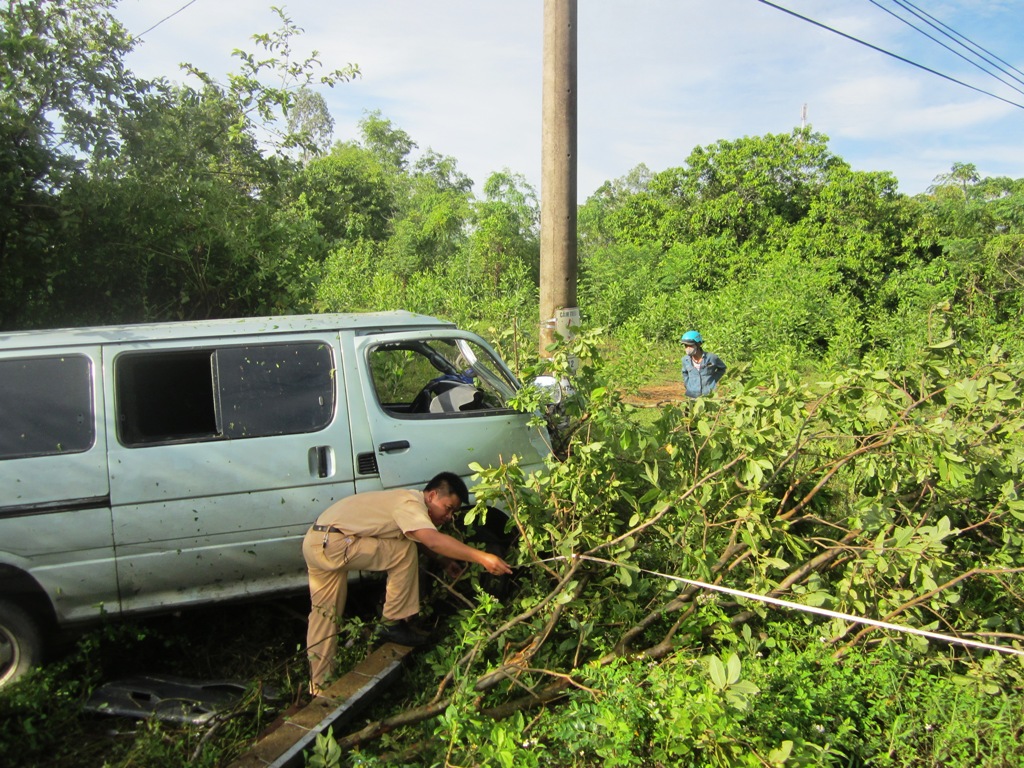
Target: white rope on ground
(800,607)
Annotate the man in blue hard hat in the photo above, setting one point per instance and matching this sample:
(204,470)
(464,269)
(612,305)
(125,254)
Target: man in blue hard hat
(701,370)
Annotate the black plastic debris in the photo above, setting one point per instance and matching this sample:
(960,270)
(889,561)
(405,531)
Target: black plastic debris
(171,699)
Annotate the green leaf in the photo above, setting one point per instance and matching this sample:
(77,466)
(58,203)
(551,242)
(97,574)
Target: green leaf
(650,496)
(651,470)
(734,669)
(746,688)
(816,599)
(781,754)
(717,671)
(567,592)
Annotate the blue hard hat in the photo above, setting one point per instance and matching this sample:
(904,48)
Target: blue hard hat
(694,337)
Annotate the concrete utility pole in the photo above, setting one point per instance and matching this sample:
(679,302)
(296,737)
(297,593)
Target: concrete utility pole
(558,310)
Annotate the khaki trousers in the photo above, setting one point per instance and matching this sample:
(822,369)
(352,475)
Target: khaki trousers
(328,588)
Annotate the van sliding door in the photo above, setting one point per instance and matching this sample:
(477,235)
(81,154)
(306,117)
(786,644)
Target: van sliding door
(224,455)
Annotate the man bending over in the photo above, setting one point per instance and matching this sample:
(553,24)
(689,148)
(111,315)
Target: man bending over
(378,531)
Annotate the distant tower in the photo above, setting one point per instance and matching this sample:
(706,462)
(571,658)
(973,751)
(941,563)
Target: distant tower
(803,118)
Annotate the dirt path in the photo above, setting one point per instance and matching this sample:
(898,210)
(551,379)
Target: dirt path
(658,394)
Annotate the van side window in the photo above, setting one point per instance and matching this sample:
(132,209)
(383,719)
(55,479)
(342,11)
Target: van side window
(438,377)
(224,393)
(279,389)
(46,406)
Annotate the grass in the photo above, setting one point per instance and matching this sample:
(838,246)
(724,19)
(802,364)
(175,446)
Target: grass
(43,720)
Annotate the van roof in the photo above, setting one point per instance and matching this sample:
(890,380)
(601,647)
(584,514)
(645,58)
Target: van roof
(361,322)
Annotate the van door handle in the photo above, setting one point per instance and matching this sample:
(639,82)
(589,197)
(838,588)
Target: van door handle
(321,461)
(393,445)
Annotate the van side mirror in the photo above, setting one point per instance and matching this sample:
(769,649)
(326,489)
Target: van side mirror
(557,389)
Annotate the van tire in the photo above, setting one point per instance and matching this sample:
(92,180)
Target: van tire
(21,643)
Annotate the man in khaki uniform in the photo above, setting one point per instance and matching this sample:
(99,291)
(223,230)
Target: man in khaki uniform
(378,531)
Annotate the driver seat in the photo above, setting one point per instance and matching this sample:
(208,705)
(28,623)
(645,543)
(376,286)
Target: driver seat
(453,397)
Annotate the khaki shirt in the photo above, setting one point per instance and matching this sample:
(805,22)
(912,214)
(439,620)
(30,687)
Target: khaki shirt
(379,514)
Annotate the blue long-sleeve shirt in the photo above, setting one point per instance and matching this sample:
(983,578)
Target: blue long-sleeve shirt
(701,381)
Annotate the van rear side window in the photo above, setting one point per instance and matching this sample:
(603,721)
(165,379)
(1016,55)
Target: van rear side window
(45,406)
(224,393)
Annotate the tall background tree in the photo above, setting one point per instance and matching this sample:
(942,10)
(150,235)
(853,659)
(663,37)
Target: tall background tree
(129,200)
(58,109)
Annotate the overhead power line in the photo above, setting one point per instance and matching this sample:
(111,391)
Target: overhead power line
(935,40)
(186,5)
(890,53)
(970,43)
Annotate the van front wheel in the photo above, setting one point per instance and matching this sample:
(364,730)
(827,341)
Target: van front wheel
(21,644)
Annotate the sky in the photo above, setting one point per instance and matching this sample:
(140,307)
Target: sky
(656,78)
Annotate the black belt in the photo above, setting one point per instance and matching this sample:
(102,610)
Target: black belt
(327,528)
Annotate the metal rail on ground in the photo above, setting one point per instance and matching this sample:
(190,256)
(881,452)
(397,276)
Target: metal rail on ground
(283,747)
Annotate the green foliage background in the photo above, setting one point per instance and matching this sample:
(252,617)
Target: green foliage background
(863,454)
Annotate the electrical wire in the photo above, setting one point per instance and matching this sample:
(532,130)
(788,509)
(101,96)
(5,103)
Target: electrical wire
(889,53)
(980,49)
(948,48)
(186,5)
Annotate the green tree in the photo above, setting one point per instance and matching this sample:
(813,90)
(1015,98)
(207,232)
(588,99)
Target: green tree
(734,201)
(362,190)
(389,144)
(973,227)
(178,225)
(64,85)
(310,121)
(615,280)
(430,229)
(349,193)
(597,219)
(719,215)
(185,221)
(859,226)
(284,114)
(505,231)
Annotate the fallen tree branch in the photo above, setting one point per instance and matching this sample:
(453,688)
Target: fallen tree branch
(516,665)
(379,728)
(921,599)
(566,578)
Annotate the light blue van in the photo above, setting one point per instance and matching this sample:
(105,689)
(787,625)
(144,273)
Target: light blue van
(151,467)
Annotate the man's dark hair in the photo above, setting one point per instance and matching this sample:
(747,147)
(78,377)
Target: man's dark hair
(449,483)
